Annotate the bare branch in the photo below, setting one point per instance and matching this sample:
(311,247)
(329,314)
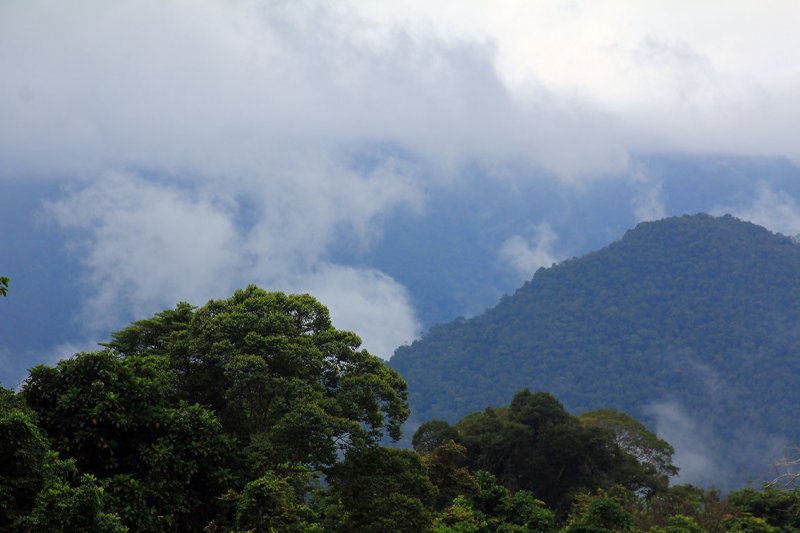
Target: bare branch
(787,470)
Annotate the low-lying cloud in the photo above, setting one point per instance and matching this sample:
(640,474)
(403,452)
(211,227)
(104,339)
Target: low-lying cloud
(649,202)
(776,211)
(147,245)
(528,254)
(694,450)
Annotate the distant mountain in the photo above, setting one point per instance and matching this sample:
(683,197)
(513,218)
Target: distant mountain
(691,324)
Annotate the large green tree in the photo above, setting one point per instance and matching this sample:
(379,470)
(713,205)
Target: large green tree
(277,373)
(22,451)
(379,490)
(536,445)
(654,455)
(494,509)
(270,504)
(162,461)
(38,490)
(68,501)
(212,416)
(780,508)
(601,512)
(704,507)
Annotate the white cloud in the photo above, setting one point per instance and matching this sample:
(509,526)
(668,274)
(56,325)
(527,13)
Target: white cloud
(148,245)
(69,349)
(221,89)
(649,203)
(365,301)
(677,76)
(693,448)
(527,255)
(776,211)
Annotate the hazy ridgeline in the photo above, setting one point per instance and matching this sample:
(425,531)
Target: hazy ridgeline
(689,323)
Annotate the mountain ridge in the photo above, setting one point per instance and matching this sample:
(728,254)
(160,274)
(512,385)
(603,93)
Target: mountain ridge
(697,312)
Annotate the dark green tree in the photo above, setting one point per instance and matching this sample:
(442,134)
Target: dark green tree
(650,452)
(38,491)
(493,509)
(162,462)
(706,508)
(779,508)
(447,471)
(460,517)
(22,451)
(4,282)
(152,336)
(601,512)
(271,505)
(431,435)
(69,501)
(377,490)
(157,418)
(277,373)
(744,523)
(536,445)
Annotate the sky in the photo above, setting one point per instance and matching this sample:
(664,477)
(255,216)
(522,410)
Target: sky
(404,162)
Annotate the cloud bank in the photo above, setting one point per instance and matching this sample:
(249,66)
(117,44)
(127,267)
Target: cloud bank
(148,245)
(527,255)
(694,446)
(215,88)
(777,211)
(205,145)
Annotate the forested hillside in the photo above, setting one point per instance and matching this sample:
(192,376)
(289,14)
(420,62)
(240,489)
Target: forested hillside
(694,315)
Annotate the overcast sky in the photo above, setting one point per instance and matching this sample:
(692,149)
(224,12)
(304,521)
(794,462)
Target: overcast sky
(182,149)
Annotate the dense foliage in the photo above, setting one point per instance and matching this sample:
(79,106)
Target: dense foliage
(39,490)
(537,446)
(221,417)
(699,311)
(550,472)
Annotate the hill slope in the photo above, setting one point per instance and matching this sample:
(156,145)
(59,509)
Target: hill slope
(689,323)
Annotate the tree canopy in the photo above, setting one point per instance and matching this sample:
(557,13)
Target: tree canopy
(537,446)
(182,408)
(277,373)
